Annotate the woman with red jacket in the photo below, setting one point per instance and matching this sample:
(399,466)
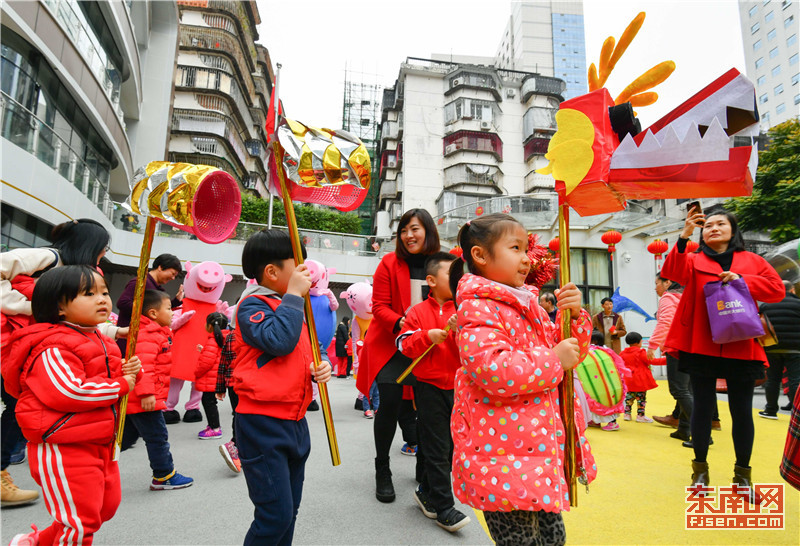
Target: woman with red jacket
(206,373)
(398,284)
(721,257)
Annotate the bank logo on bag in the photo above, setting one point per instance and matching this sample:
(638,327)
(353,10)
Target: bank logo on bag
(736,304)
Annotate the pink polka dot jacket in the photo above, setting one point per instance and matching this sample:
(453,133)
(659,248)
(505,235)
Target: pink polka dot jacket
(507,430)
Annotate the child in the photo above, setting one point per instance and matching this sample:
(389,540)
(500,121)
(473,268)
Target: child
(68,379)
(148,399)
(206,373)
(272,376)
(641,379)
(601,416)
(228,450)
(506,424)
(425,326)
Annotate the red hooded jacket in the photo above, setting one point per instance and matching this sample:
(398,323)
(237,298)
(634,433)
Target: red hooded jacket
(154,349)
(641,378)
(439,366)
(208,364)
(67,380)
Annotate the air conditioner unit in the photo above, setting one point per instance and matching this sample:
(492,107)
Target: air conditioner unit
(455,83)
(510,93)
(486,125)
(449,149)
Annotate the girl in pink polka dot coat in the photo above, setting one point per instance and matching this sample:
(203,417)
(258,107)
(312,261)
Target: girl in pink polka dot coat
(507,429)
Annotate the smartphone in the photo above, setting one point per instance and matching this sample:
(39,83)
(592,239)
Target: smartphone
(694,207)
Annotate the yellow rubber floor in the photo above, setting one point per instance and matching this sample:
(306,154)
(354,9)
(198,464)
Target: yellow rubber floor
(639,496)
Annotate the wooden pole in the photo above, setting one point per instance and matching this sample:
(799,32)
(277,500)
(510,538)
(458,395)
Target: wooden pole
(294,234)
(411,366)
(136,315)
(567,385)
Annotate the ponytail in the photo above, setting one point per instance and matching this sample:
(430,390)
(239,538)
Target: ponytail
(218,322)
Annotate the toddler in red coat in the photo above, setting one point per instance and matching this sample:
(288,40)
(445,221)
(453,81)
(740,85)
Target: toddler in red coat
(147,400)
(641,379)
(68,379)
(206,373)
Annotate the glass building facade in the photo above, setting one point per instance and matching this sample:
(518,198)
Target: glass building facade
(569,53)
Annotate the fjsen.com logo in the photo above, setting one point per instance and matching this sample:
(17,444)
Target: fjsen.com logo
(722,305)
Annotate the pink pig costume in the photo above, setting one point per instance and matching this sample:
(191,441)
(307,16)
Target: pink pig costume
(506,426)
(202,287)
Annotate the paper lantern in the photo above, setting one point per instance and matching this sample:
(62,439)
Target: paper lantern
(657,247)
(440,221)
(600,378)
(691,246)
(553,245)
(457,251)
(479,211)
(611,238)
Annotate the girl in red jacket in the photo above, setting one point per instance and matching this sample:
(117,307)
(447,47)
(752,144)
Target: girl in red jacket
(68,379)
(507,430)
(206,373)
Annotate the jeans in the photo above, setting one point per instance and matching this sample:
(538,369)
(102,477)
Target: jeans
(374,398)
(11,434)
(772,388)
(681,391)
(434,406)
(151,427)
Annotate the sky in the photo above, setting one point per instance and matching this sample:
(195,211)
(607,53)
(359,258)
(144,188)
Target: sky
(315,40)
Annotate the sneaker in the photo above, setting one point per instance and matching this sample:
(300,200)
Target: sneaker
(611,426)
(594,424)
(627,416)
(643,419)
(424,503)
(20,452)
(787,407)
(192,416)
(230,453)
(171,417)
(11,495)
(409,450)
(171,481)
(209,433)
(26,539)
(369,414)
(767,415)
(451,519)
(313,406)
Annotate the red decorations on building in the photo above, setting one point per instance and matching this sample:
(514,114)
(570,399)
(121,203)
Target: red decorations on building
(479,211)
(457,251)
(657,247)
(691,246)
(440,221)
(611,238)
(553,245)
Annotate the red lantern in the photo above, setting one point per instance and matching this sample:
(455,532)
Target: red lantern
(553,245)
(657,247)
(611,238)
(691,246)
(479,211)
(440,221)
(457,251)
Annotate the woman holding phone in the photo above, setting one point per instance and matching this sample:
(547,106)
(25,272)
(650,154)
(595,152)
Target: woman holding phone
(721,257)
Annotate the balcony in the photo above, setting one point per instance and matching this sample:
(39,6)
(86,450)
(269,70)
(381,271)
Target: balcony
(535,182)
(215,39)
(539,118)
(23,129)
(475,175)
(388,189)
(390,160)
(390,130)
(543,85)
(471,79)
(473,141)
(196,121)
(536,146)
(197,77)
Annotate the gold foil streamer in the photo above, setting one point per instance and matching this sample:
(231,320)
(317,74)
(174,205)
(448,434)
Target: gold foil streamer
(322,157)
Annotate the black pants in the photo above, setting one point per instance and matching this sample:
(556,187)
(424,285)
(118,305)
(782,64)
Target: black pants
(210,407)
(10,433)
(434,406)
(772,388)
(740,402)
(393,410)
(681,391)
(273,453)
(151,427)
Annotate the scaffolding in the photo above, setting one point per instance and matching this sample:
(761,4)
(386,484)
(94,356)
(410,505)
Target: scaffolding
(361,116)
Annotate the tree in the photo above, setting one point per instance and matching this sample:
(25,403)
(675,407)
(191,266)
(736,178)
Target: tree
(256,210)
(774,205)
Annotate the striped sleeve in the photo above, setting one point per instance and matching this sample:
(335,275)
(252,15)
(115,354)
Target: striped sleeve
(57,378)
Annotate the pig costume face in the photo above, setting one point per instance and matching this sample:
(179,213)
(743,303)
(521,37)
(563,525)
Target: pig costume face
(359,299)
(205,281)
(320,277)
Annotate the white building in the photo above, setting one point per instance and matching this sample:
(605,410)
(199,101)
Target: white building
(772,56)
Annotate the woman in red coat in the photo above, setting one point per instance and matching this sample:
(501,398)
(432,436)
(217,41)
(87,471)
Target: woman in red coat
(398,284)
(721,257)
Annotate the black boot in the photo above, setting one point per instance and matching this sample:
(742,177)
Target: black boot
(741,479)
(384,490)
(700,473)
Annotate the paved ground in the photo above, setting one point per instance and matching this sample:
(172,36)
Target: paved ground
(338,507)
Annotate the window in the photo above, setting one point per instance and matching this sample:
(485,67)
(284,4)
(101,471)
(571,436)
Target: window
(788,21)
(757,45)
(759,62)
(763,98)
(771,35)
(796,79)
(755,28)
(793,59)
(780,109)
(776,70)
(590,270)
(786,4)
(765,116)
(768,17)
(778,89)
(773,52)
(761,80)
(797,99)
(753,10)
(791,40)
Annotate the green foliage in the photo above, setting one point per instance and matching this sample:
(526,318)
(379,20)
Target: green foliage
(774,205)
(256,210)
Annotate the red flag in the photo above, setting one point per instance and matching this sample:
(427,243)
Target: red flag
(270,125)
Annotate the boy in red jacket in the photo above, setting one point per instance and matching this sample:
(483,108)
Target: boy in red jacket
(147,400)
(272,375)
(641,379)
(431,324)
